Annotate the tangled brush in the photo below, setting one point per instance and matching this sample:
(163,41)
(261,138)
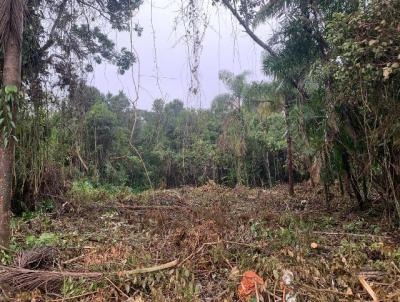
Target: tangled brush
(19,278)
(31,270)
(37,258)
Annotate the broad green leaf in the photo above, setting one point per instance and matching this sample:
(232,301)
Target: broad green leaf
(11,89)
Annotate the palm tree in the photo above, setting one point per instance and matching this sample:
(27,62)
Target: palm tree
(229,107)
(11,27)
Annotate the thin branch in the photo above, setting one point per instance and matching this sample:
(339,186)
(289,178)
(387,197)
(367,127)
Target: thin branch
(56,24)
(266,47)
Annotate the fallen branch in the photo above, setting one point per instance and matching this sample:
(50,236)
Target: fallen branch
(151,269)
(351,234)
(75,297)
(198,251)
(3,248)
(117,288)
(120,206)
(254,246)
(69,261)
(311,288)
(28,279)
(368,288)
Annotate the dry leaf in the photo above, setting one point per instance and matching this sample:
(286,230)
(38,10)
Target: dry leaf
(349,292)
(234,273)
(247,286)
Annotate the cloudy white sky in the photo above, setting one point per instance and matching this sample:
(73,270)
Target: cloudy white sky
(225,46)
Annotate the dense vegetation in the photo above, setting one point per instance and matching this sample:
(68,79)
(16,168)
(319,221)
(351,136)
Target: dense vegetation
(233,142)
(334,97)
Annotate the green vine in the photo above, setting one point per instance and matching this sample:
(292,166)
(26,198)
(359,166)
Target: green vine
(8,100)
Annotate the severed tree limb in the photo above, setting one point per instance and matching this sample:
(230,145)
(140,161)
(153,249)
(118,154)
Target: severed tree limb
(28,279)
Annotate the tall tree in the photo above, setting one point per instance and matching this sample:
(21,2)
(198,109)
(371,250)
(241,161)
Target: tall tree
(11,28)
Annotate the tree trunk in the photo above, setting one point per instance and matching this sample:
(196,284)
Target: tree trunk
(289,149)
(11,76)
(341,187)
(268,170)
(352,180)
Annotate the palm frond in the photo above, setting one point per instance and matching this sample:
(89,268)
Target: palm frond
(11,14)
(273,9)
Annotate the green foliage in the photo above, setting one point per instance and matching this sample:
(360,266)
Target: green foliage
(73,288)
(8,101)
(369,56)
(5,258)
(42,239)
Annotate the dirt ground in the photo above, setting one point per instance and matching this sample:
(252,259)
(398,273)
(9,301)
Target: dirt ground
(210,236)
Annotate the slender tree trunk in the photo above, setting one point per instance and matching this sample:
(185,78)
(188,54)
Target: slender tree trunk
(352,180)
(341,187)
(11,76)
(289,149)
(326,178)
(238,171)
(365,188)
(268,170)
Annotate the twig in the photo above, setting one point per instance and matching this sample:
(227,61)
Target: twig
(257,294)
(323,290)
(117,288)
(395,266)
(197,251)
(351,234)
(69,261)
(276,298)
(2,247)
(75,297)
(148,207)
(150,269)
(243,243)
(368,288)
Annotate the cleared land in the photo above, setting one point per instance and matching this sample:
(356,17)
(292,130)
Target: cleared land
(207,237)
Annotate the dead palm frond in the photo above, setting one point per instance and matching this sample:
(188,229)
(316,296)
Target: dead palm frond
(11,15)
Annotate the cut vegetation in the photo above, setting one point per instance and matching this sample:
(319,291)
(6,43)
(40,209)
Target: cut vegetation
(194,244)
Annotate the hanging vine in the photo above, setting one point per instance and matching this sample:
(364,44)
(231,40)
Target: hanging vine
(9,100)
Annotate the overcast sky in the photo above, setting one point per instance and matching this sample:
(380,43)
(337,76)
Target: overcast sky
(225,46)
